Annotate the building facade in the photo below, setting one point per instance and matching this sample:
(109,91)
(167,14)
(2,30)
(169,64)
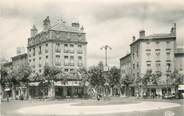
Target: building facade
(61,45)
(19,61)
(125,66)
(157,53)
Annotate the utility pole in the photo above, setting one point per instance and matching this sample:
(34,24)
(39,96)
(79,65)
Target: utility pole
(106,47)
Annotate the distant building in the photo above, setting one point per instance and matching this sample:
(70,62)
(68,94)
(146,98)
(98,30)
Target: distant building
(19,61)
(60,45)
(8,66)
(157,53)
(20,50)
(125,65)
(179,60)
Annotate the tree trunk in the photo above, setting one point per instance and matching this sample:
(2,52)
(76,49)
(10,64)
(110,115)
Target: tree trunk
(51,92)
(111,91)
(28,94)
(13,92)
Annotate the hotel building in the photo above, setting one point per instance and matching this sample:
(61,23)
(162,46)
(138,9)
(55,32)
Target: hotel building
(60,45)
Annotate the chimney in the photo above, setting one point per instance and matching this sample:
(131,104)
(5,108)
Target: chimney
(46,24)
(134,38)
(82,28)
(141,34)
(77,25)
(173,29)
(33,31)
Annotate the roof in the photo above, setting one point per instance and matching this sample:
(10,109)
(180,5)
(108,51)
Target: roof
(179,52)
(19,56)
(62,26)
(160,36)
(156,36)
(7,64)
(127,55)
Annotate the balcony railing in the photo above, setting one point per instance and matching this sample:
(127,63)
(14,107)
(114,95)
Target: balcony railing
(58,64)
(79,51)
(58,51)
(71,51)
(66,51)
(66,64)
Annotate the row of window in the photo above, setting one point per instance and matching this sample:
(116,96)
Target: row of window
(157,42)
(68,48)
(158,54)
(66,70)
(167,50)
(158,66)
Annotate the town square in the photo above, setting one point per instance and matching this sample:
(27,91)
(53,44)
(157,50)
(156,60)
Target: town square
(95,58)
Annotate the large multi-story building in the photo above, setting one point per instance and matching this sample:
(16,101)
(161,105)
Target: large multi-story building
(155,52)
(60,45)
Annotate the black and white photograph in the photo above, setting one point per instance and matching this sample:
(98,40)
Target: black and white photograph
(91,58)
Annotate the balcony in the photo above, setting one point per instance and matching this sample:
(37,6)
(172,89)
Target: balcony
(58,64)
(58,51)
(79,51)
(71,51)
(66,64)
(66,51)
(46,51)
(72,64)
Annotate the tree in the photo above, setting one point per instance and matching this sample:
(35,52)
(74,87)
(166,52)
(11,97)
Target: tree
(127,81)
(4,77)
(23,76)
(176,79)
(9,80)
(145,80)
(96,78)
(50,74)
(114,77)
(155,77)
(84,77)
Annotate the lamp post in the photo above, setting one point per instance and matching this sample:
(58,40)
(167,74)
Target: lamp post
(106,47)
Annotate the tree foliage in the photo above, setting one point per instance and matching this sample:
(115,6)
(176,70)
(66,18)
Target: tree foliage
(51,72)
(114,76)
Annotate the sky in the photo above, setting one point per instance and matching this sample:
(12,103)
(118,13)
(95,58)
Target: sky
(106,22)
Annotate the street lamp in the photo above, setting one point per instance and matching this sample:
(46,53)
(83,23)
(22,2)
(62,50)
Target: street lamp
(106,47)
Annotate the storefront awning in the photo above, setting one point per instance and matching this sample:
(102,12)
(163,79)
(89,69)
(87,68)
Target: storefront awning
(69,83)
(181,87)
(34,84)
